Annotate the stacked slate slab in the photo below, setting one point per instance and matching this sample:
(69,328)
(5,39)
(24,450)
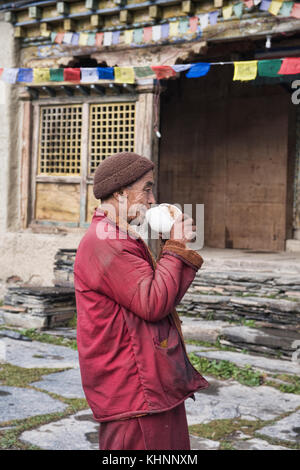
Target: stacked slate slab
(38,307)
(63,267)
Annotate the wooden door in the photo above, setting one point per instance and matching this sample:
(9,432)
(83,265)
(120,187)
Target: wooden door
(226,145)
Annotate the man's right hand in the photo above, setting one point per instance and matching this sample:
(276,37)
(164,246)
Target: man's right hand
(183,229)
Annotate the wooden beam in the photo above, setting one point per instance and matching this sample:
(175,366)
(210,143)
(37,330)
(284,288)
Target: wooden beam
(69,25)
(125,17)
(155,12)
(25,162)
(96,20)
(10,17)
(187,7)
(62,8)
(19,32)
(35,13)
(91,4)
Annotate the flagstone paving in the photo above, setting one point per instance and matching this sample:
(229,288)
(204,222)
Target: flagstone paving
(223,400)
(66,384)
(37,354)
(19,403)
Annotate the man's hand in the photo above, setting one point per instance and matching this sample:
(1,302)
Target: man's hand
(183,229)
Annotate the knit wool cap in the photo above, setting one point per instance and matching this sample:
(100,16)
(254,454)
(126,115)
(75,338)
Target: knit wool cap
(118,171)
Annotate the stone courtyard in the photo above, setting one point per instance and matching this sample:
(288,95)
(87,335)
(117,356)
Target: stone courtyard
(42,404)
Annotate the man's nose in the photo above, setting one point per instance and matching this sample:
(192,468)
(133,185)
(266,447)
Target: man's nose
(152,200)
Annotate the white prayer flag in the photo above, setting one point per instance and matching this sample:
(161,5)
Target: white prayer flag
(68,38)
(107,39)
(10,75)
(89,74)
(203,20)
(156,32)
(181,67)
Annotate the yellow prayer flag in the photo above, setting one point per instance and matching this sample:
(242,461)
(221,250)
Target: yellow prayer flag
(173,31)
(275,7)
(245,70)
(83,39)
(124,75)
(227,12)
(41,75)
(128,36)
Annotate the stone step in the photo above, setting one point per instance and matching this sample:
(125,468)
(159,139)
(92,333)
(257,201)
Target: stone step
(226,307)
(265,340)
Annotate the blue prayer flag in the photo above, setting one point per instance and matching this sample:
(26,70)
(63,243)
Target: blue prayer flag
(106,73)
(25,75)
(198,70)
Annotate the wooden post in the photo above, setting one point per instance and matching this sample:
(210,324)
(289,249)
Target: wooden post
(146,141)
(25,161)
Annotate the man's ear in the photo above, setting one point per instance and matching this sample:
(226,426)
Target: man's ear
(119,195)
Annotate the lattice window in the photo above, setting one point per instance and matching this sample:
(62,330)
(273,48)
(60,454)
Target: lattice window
(60,140)
(111,130)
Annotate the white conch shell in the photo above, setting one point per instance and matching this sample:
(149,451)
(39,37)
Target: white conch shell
(162,217)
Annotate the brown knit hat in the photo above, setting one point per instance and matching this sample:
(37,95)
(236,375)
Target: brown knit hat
(119,170)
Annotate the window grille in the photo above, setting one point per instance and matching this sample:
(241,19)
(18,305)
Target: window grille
(60,140)
(111,130)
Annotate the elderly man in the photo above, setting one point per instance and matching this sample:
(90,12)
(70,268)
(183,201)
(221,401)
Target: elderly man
(134,367)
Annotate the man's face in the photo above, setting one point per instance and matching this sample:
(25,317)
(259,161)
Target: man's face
(139,197)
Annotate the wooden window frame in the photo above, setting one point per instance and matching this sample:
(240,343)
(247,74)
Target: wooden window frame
(83,179)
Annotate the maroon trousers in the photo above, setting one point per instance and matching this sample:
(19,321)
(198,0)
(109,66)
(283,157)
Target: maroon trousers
(161,431)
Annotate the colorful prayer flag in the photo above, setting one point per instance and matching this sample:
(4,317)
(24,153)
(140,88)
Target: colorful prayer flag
(194,24)
(91,39)
(9,75)
(265,5)
(165,28)
(124,75)
(295,13)
(59,38)
(163,71)
(268,68)
(89,74)
(68,38)
(204,20)
(148,34)
(83,39)
(286,8)
(198,70)
(290,66)
(275,7)
(183,25)
(25,75)
(41,75)
(128,36)
(75,39)
(138,35)
(56,75)
(249,4)
(238,9)
(213,17)
(174,28)
(142,72)
(227,12)
(107,39)
(105,73)
(246,70)
(115,37)
(72,74)
(181,67)
(156,32)
(53,36)
(99,39)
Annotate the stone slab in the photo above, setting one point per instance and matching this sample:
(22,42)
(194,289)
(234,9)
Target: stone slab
(37,354)
(230,399)
(67,383)
(202,330)
(76,432)
(200,443)
(258,362)
(257,444)
(19,403)
(286,429)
